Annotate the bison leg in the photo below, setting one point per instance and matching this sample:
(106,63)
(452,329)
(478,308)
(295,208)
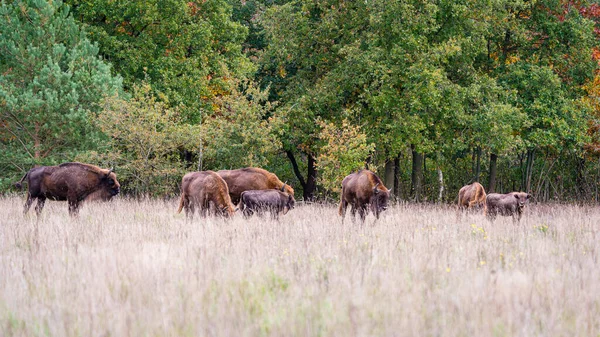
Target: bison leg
(28,204)
(247,212)
(353,213)
(517,217)
(362,213)
(204,207)
(190,208)
(343,207)
(73,206)
(40,205)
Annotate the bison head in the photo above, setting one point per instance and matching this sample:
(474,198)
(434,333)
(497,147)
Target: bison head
(290,204)
(522,198)
(110,183)
(379,200)
(226,211)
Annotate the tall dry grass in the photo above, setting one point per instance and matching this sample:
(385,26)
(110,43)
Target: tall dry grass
(130,268)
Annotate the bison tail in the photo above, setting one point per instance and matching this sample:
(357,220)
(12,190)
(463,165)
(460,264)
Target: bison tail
(19,184)
(181,203)
(241,204)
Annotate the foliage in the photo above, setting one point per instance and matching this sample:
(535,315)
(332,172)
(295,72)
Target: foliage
(50,79)
(239,133)
(188,50)
(345,150)
(145,136)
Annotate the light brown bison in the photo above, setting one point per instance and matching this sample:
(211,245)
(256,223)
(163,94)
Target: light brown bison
(261,201)
(206,190)
(72,182)
(251,178)
(510,204)
(472,195)
(362,189)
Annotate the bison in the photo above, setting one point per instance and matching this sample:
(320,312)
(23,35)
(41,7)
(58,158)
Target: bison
(511,204)
(471,195)
(72,182)
(362,189)
(261,201)
(206,190)
(251,178)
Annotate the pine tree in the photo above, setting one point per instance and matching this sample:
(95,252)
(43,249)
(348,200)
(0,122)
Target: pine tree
(51,79)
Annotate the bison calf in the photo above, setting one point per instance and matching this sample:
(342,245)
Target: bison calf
(361,190)
(205,190)
(510,204)
(261,201)
(470,196)
(72,182)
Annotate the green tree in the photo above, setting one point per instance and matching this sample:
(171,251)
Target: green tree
(345,150)
(239,133)
(144,136)
(189,51)
(50,81)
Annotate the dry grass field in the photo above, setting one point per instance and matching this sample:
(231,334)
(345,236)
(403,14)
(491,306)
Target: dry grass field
(130,268)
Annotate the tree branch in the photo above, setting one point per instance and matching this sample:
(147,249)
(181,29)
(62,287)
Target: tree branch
(295,167)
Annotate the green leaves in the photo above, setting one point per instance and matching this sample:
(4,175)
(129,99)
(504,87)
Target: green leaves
(50,81)
(190,51)
(145,136)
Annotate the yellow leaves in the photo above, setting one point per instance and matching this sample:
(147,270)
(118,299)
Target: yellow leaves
(345,150)
(281,71)
(511,59)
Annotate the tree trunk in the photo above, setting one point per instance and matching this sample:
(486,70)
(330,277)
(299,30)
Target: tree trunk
(529,170)
(477,164)
(311,179)
(417,175)
(493,172)
(389,175)
(397,187)
(580,179)
(440,178)
(308,185)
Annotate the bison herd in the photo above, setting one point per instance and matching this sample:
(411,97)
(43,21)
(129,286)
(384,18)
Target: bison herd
(253,190)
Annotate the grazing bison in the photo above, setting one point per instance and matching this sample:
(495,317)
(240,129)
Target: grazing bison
(205,189)
(471,195)
(251,178)
(69,181)
(511,204)
(363,189)
(261,201)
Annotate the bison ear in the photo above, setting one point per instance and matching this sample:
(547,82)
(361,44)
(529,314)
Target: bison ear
(529,196)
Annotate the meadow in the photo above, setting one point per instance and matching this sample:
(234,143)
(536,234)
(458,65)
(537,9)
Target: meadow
(136,268)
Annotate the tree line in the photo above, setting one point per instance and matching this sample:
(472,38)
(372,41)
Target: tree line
(432,94)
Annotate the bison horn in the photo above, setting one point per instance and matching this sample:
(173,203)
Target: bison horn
(283,187)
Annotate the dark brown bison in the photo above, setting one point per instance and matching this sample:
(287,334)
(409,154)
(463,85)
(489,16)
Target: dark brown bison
(69,181)
(261,201)
(207,191)
(471,196)
(510,204)
(363,189)
(251,178)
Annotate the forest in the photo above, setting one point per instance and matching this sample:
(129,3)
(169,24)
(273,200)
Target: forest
(430,94)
